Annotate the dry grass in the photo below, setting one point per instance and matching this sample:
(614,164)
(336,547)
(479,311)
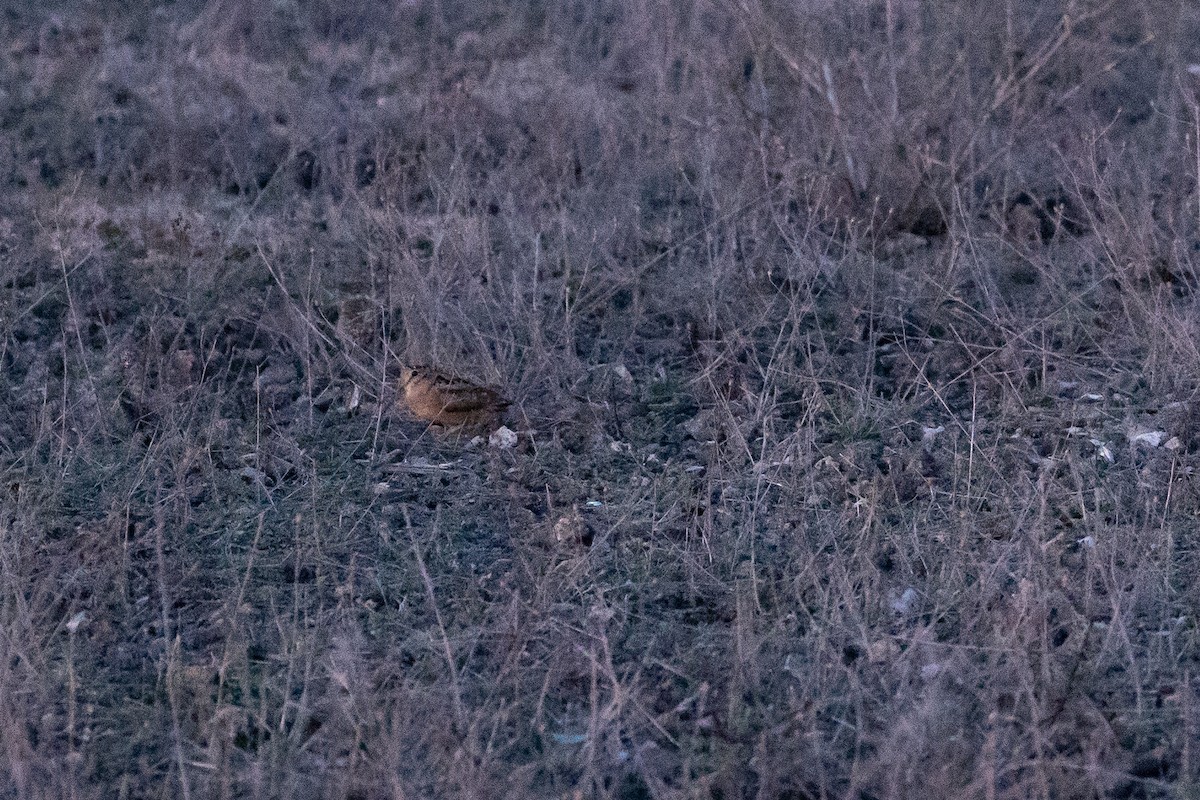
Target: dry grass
(853,351)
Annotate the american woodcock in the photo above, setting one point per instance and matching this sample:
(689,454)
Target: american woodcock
(443,399)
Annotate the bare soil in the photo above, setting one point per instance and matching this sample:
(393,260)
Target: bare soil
(854,360)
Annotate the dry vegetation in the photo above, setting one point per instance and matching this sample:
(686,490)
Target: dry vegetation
(854,352)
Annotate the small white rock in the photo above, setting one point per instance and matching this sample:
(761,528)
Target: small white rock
(1103,450)
(503,438)
(929,434)
(1151,438)
(904,603)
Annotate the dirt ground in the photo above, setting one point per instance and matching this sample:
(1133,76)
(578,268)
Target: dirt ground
(853,354)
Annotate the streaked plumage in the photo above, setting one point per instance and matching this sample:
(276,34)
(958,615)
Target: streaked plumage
(447,400)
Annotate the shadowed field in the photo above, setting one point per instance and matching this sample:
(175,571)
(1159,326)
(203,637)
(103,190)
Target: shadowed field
(853,353)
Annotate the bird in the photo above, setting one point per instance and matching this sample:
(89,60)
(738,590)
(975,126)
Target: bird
(449,401)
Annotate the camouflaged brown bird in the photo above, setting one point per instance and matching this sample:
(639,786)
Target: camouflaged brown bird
(452,402)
